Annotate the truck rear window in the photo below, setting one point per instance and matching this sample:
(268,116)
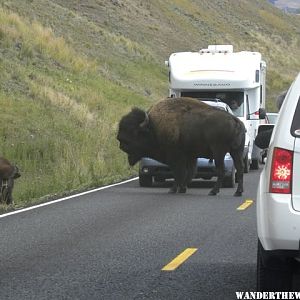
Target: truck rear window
(296,121)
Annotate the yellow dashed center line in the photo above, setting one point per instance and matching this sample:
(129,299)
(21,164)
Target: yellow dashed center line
(245,205)
(180,259)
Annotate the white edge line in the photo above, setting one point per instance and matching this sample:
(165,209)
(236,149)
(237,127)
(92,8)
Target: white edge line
(66,198)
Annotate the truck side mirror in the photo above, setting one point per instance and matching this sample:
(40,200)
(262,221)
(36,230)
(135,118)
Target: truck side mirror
(262,113)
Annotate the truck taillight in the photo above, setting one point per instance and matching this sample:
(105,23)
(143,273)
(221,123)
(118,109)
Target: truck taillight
(281,172)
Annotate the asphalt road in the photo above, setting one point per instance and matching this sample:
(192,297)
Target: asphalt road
(113,244)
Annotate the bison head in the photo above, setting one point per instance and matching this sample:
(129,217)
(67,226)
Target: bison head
(134,135)
(16,172)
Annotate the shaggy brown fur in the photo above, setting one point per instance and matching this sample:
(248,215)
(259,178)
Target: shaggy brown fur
(176,131)
(8,173)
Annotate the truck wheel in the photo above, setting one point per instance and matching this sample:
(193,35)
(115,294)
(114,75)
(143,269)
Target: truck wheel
(254,164)
(274,273)
(145,180)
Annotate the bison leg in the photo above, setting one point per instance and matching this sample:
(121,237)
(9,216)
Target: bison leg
(7,192)
(2,189)
(238,160)
(173,189)
(219,162)
(183,171)
(187,173)
(191,165)
(179,170)
(176,172)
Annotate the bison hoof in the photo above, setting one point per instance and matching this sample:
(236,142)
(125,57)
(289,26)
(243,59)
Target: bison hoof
(172,190)
(238,194)
(182,190)
(212,193)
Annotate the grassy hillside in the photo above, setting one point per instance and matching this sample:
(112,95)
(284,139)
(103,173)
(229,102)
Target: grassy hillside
(70,69)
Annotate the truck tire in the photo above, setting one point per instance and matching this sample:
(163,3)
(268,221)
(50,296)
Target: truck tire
(145,180)
(273,273)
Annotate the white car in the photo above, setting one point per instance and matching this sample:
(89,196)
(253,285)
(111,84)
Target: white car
(215,102)
(278,200)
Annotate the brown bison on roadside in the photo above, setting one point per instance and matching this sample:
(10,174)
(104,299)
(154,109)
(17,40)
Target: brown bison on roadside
(176,131)
(8,173)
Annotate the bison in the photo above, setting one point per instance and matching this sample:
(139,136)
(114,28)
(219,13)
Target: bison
(176,131)
(8,173)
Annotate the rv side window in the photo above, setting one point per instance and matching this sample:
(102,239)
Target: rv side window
(237,107)
(295,129)
(236,103)
(247,104)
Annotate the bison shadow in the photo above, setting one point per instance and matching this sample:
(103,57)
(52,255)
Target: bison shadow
(197,183)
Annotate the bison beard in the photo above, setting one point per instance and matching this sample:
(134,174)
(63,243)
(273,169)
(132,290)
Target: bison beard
(178,130)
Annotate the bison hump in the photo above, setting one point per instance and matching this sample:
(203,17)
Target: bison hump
(166,121)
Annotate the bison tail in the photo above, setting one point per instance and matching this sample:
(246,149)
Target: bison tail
(239,135)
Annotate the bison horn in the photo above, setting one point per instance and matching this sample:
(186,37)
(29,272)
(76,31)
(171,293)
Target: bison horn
(145,122)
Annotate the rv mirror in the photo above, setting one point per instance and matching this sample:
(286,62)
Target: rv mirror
(262,113)
(265,127)
(264,134)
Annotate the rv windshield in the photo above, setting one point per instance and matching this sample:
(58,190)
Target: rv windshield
(234,99)
(237,107)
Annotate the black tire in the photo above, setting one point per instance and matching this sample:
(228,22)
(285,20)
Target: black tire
(254,164)
(274,273)
(145,180)
(229,181)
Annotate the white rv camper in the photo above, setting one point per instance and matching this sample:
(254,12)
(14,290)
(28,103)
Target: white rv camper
(218,72)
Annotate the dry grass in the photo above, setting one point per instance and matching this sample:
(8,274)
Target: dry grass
(38,38)
(58,115)
(275,21)
(69,106)
(68,72)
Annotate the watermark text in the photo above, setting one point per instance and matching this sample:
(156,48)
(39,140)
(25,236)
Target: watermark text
(267,295)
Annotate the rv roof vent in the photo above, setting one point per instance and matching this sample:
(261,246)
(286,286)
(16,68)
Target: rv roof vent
(204,51)
(218,49)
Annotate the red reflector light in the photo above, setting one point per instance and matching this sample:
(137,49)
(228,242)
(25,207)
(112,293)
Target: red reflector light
(281,172)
